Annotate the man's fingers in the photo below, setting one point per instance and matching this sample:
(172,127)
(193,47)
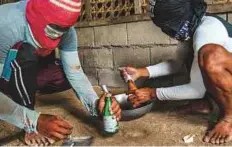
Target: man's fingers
(115,108)
(57,136)
(102,102)
(130,92)
(134,100)
(103,97)
(131,97)
(136,104)
(121,68)
(114,103)
(124,75)
(64,131)
(142,101)
(140,93)
(64,124)
(118,114)
(141,96)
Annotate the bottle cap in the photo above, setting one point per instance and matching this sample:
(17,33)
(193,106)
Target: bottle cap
(108,95)
(104,88)
(128,77)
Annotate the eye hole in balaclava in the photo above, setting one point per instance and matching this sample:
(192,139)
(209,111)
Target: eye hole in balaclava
(54,31)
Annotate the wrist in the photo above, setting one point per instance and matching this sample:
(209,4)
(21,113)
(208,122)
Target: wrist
(33,118)
(143,72)
(99,114)
(153,93)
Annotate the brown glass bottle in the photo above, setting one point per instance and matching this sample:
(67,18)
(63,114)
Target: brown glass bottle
(131,84)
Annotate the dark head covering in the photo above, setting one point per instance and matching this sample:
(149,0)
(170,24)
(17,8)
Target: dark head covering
(177,18)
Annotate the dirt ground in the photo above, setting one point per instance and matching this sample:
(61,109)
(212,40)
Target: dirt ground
(163,126)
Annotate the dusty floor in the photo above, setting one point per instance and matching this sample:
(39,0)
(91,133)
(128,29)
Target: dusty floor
(162,126)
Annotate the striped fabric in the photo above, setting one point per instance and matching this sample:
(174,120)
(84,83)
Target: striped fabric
(19,83)
(68,5)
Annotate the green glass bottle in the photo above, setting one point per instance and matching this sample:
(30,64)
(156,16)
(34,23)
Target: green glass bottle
(110,123)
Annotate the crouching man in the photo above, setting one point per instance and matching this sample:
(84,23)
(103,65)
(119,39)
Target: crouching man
(211,68)
(30,32)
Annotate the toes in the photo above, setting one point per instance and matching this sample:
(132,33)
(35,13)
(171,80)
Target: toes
(222,139)
(39,141)
(228,138)
(213,138)
(208,136)
(51,141)
(217,141)
(34,143)
(27,140)
(45,141)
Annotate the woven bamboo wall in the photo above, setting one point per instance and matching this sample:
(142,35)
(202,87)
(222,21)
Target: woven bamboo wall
(7,1)
(105,12)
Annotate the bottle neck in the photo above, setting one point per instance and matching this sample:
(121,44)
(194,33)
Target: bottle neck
(131,85)
(107,106)
(108,101)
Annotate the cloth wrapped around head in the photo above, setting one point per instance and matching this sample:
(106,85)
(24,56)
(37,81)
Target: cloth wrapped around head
(49,19)
(177,18)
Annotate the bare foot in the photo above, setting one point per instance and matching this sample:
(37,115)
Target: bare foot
(221,133)
(197,106)
(33,139)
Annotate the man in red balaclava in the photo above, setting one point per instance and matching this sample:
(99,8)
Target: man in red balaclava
(29,35)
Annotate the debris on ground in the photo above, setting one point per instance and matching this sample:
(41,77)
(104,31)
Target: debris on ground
(188,138)
(78,141)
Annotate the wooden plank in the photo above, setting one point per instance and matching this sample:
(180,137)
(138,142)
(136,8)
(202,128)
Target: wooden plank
(216,8)
(220,8)
(133,18)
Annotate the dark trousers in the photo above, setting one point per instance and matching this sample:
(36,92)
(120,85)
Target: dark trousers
(31,73)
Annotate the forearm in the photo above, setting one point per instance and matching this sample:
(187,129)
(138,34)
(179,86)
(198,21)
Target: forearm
(143,72)
(18,115)
(78,80)
(182,92)
(163,68)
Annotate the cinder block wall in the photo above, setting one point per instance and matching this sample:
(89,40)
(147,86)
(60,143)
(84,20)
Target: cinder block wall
(102,49)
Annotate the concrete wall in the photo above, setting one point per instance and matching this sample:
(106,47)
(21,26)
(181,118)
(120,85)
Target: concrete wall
(105,48)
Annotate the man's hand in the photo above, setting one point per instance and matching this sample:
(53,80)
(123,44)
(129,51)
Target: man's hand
(53,127)
(142,95)
(135,73)
(115,107)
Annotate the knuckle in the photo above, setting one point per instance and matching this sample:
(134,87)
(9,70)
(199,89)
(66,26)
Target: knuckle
(69,131)
(119,111)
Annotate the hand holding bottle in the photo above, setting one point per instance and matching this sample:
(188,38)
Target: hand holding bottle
(141,96)
(115,107)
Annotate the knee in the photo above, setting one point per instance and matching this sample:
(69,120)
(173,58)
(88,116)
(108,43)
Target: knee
(211,58)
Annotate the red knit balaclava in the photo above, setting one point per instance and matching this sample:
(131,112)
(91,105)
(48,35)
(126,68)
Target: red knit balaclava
(40,13)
